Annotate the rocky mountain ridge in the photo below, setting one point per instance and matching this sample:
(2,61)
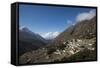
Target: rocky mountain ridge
(29,41)
(77,43)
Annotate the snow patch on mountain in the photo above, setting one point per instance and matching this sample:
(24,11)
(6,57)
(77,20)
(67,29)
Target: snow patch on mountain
(50,35)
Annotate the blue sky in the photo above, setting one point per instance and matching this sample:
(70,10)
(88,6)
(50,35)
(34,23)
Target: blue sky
(43,19)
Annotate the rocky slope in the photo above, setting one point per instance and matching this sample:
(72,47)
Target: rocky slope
(29,41)
(84,29)
(77,43)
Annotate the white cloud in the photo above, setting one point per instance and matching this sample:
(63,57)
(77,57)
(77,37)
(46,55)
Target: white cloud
(85,16)
(50,35)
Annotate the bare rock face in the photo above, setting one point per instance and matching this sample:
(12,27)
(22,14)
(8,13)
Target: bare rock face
(77,43)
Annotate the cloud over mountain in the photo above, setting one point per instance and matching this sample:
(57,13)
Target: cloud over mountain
(85,16)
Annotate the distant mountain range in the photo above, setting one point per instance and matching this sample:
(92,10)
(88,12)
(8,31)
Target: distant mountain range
(25,33)
(29,40)
(76,43)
